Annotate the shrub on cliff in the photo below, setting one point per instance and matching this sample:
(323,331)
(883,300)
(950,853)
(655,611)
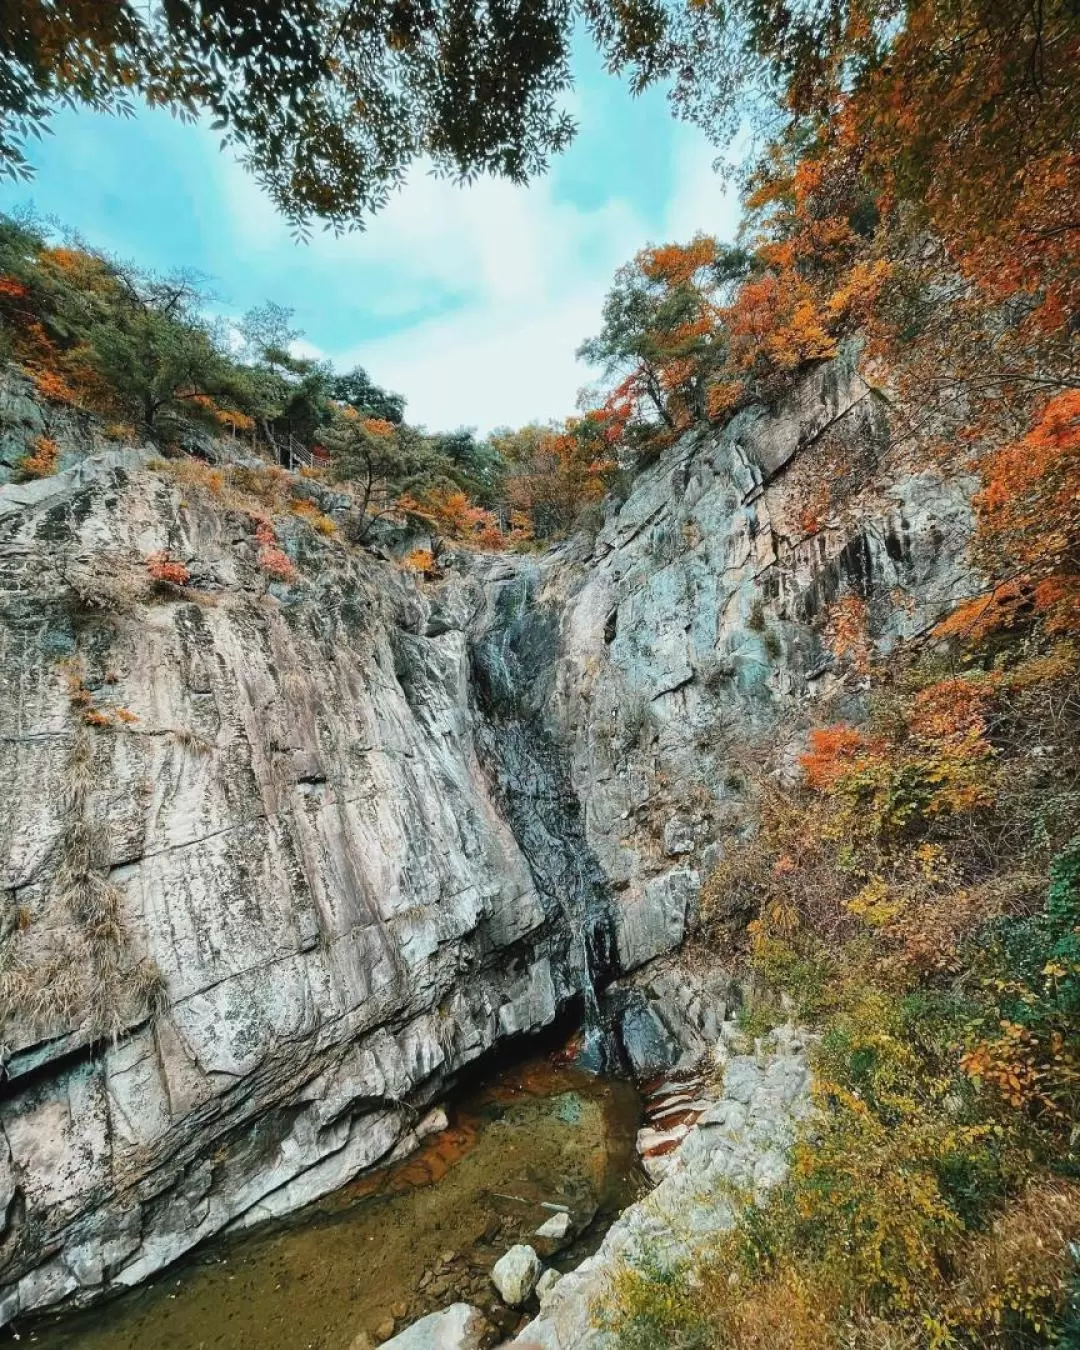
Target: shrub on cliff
(135,348)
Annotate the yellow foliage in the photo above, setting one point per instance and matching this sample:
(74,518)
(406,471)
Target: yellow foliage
(308,510)
(421,560)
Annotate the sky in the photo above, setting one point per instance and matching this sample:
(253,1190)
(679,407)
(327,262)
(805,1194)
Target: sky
(469,301)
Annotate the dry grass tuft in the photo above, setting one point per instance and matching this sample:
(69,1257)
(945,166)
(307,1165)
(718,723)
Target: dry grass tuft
(69,967)
(109,582)
(1021,1271)
(191,740)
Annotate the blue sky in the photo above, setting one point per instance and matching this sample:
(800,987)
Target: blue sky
(469,301)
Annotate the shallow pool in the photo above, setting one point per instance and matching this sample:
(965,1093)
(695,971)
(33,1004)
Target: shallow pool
(400,1242)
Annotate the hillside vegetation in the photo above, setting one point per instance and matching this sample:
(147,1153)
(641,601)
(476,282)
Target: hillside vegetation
(917,890)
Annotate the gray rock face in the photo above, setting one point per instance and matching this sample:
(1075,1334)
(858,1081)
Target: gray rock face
(318,911)
(279,860)
(25,420)
(459,1327)
(693,634)
(515,1274)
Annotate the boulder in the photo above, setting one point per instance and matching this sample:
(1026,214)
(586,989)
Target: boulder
(459,1327)
(556,1228)
(546,1283)
(516,1274)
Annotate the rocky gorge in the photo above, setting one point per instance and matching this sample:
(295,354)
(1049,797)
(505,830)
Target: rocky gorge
(324,843)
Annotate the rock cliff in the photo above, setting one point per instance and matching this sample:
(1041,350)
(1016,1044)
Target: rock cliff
(279,860)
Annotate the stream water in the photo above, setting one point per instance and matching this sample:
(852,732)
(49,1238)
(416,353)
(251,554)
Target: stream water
(400,1242)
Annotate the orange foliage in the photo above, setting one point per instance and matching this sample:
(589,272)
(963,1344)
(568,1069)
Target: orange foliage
(565,471)
(723,398)
(989,132)
(615,415)
(236,421)
(777,320)
(952,712)
(1029,528)
(264,531)
(43,461)
(421,560)
(976,619)
(832,753)
(277,564)
(377,426)
(309,511)
(1009,1064)
(677,264)
(51,385)
(272,559)
(12,289)
(855,298)
(846,633)
(163,568)
(814,509)
(451,513)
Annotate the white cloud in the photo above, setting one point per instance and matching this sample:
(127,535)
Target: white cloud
(305,351)
(701,201)
(486,291)
(514,276)
(488,367)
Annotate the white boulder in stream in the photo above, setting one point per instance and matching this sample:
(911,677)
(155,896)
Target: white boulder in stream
(557,1227)
(515,1275)
(459,1327)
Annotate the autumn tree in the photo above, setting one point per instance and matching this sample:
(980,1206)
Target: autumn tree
(382,463)
(660,339)
(137,348)
(1029,529)
(553,473)
(451,515)
(692,332)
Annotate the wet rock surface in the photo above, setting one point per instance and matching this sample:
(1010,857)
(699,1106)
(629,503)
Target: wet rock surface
(692,638)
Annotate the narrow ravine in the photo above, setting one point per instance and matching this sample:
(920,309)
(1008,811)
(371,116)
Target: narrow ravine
(401,1241)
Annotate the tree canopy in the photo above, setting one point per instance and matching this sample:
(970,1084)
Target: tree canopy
(329,101)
